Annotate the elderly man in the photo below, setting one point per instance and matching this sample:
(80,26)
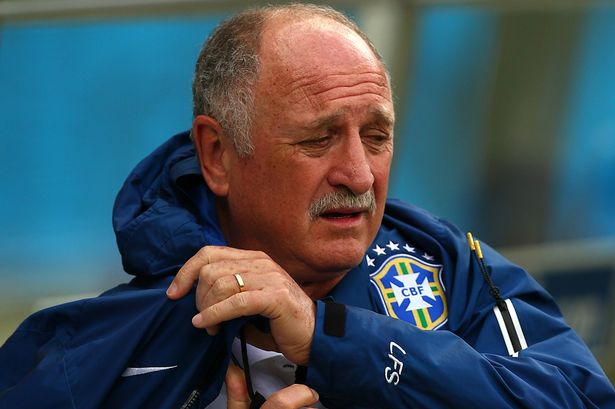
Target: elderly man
(282,197)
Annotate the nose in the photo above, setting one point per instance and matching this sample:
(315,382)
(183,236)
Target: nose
(352,168)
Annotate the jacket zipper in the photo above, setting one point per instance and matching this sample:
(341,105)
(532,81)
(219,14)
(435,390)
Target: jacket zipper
(192,398)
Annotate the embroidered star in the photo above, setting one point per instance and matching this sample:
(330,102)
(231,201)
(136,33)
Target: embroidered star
(427,257)
(379,250)
(409,249)
(393,246)
(370,261)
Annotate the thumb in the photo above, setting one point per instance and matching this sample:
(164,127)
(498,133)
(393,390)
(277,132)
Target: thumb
(291,397)
(236,389)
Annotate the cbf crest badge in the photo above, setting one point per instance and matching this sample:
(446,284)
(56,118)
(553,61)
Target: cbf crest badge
(411,288)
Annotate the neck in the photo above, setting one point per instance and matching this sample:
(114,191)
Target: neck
(319,289)
(222,211)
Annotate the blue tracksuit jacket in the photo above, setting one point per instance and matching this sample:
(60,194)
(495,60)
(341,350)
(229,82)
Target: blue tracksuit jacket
(413,326)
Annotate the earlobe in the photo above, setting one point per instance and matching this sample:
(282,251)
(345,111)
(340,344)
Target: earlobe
(211,147)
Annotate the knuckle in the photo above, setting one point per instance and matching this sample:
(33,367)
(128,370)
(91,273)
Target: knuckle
(285,291)
(262,254)
(206,277)
(217,310)
(220,288)
(180,273)
(210,312)
(204,254)
(241,301)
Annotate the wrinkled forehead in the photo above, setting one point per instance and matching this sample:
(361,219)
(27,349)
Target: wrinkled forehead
(291,50)
(313,63)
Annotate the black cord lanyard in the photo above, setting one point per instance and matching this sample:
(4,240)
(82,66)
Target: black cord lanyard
(256,399)
(495,293)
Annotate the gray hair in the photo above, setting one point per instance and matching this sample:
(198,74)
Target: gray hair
(342,198)
(228,66)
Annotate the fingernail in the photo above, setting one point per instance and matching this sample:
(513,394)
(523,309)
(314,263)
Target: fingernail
(172,289)
(197,320)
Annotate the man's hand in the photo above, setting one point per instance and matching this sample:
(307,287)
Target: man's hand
(268,291)
(292,397)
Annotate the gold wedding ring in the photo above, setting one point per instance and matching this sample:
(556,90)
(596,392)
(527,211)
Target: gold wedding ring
(240,281)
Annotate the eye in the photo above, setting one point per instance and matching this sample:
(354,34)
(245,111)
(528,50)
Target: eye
(319,142)
(377,140)
(315,146)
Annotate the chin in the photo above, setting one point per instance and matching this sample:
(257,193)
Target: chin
(341,257)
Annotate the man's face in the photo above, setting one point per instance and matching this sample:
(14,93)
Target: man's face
(324,123)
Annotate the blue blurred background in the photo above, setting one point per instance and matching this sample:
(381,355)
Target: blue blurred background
(506,126)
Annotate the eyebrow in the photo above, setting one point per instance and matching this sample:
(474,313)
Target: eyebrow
(380,116)
(324,122)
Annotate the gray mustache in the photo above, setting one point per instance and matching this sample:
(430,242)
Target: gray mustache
(342,198)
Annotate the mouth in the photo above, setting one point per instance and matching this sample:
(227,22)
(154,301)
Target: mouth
(343,214)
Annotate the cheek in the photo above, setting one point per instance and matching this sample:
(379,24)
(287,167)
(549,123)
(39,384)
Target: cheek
(380,170)
(298,180)
(250,190)
(273,194)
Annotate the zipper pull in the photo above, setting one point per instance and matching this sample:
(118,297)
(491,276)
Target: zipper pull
(189,403)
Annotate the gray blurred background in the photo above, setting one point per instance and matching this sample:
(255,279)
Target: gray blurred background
(506,126)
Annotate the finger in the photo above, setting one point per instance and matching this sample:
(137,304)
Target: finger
(222,289)
(236,389)
(239,305)
(291,317)
(210,294)
(292,397)
(212,290)
(225,287)
(189,272)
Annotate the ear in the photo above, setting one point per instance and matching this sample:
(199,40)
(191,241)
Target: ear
(213,149)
